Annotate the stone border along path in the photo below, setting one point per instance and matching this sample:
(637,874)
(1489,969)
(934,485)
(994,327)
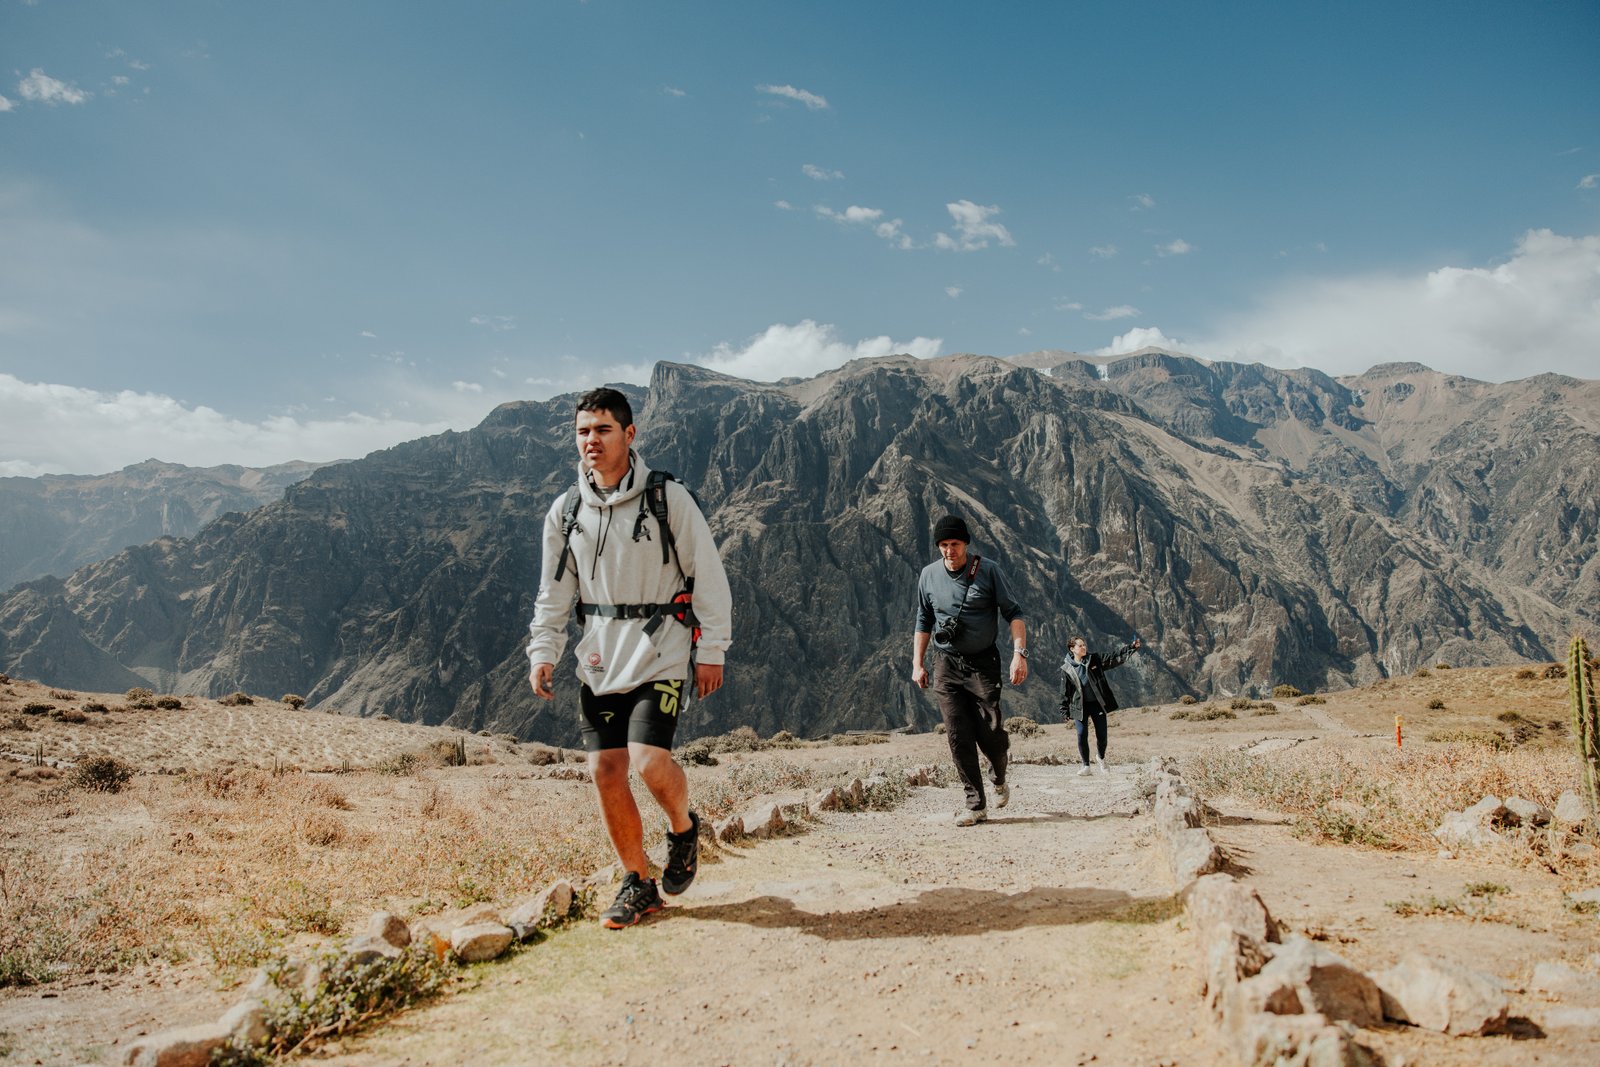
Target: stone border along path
(482,933)
(1288,1002)
(1279,1002)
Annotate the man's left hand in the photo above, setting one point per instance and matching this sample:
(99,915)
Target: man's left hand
(707,679)
(1019,669)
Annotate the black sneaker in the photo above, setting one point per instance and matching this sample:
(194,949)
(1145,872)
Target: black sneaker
(636,899)
(683,858)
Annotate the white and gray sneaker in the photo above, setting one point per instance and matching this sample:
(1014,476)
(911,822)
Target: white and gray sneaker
(1002,795)
(1100,766)
(972,818)
(1085,771)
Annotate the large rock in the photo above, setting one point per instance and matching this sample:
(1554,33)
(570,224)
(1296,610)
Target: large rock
(1439,995)
(548,907)
(1571,809)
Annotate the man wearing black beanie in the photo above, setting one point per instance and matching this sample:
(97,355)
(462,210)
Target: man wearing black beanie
(959,599)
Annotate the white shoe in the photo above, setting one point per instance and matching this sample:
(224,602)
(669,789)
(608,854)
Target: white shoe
(1100,767)
(971,818)
(1084,771)
(1002,795)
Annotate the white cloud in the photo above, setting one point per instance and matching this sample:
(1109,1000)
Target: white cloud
(1537,311)
(369,335)
(495,323)
(1179,247)
(5,105)
(1068,305)
(1103,251)
(804,349)
(1111,314)
(1049,260)
(63,429)
(1588,181)
(816,173)
(43,89)
(890,230)
(1142,337)
(953,291)
(1142,202)
(974,230)
(783,205)
(668,90)
(850,215)
(812,101)
(466,387)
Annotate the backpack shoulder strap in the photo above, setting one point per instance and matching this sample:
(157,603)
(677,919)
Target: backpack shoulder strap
(569,522)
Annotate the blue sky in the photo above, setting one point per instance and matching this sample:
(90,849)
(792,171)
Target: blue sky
(253,232)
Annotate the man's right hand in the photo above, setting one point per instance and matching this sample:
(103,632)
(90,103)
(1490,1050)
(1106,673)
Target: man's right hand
(543,679)
(919,674)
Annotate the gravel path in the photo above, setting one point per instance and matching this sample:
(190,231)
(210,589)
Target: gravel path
(1048,935)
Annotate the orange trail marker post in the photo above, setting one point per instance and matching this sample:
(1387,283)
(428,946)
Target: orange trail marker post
(1398,722)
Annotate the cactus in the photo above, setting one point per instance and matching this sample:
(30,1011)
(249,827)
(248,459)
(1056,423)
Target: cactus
(1585,719)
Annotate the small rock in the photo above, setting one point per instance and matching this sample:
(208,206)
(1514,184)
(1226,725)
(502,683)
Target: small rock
(370,949)
(1570,808)
(730,829)
(1488,811)
(856,793)
(480,941)
(1443,996)
(1571,1019)
(389,927)
(1527,812)
(1563,979)
(1462,830)
(546,908)
(763,820)
(1194,855)
(829,799)
(1585,896)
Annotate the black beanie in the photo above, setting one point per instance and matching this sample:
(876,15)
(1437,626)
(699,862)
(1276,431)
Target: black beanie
(951,526)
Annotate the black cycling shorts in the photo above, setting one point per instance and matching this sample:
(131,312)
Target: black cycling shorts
(647,715)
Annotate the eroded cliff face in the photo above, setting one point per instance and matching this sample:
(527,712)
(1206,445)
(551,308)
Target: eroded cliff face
(1252,526)
(57,523)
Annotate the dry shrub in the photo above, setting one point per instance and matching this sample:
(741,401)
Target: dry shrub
(1021,726)
(70,715)
(1392,799)
(168,703)
(1310,698)
(236,699)
(1285,691)
(62,694)
(101,774)
(36,708)
(294,700)
(1188,698)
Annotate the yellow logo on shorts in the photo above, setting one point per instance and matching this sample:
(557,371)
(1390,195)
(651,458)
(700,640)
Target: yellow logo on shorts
(607,715)
(669,696)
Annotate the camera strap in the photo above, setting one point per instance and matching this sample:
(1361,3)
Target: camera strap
(972,575)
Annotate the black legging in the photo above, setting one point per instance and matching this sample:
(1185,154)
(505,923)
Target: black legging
(1096,714)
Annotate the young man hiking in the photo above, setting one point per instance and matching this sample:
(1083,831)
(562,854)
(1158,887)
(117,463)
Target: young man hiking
(628,549)
(959,597)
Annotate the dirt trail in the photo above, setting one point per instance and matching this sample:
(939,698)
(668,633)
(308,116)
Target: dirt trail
(1048,935)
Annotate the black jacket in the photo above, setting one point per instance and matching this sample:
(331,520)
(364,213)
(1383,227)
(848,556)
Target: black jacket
(1072,698)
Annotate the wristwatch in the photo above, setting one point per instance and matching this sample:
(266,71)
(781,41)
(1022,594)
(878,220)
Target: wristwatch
(1021,652)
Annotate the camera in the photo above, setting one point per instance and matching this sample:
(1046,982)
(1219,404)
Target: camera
(948,629)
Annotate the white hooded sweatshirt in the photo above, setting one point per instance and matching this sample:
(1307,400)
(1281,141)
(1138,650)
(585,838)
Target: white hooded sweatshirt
(615,559)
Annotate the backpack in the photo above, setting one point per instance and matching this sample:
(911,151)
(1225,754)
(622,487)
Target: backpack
(652,501)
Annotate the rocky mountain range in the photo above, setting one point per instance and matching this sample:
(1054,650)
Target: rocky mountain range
(59,522)
(1253,526)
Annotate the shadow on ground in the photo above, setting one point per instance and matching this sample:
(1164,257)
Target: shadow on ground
(944,911)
